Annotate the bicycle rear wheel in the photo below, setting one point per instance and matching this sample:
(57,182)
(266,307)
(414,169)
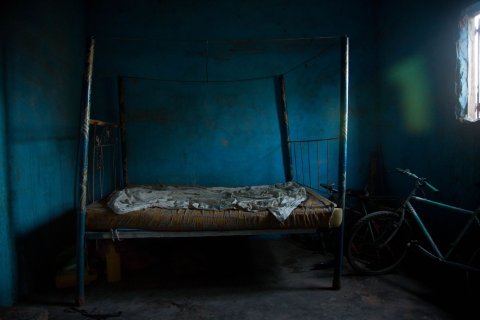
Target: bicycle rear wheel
(378,243)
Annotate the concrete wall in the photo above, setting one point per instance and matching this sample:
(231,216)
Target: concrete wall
(229,134)
(42,78)
(417,83)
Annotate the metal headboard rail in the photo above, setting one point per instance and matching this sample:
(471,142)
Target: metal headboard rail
(311,161)
(104,150)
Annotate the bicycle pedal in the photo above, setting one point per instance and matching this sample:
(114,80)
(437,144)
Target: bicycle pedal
(412,243)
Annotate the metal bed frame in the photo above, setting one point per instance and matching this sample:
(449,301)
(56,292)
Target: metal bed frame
(291,151)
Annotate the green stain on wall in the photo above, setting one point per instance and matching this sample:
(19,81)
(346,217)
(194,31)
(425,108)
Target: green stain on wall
(410,79)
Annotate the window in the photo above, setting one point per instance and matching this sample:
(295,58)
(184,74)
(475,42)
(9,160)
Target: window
(468,66)
(473,108)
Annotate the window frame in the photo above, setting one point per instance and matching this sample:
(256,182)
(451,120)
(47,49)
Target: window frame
(473,106)
(468,65)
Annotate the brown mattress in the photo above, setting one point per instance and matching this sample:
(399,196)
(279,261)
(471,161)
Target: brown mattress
(314,212)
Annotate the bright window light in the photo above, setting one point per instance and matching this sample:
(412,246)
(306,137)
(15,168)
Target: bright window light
(473,113)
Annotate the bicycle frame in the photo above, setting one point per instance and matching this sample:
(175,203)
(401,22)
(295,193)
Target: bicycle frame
(475,215)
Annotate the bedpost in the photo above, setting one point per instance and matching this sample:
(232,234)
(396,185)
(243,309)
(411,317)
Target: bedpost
(284,131)
(342,159)
(84,135)
(123,128)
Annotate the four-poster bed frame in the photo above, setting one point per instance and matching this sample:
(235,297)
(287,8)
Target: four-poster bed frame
(83,234)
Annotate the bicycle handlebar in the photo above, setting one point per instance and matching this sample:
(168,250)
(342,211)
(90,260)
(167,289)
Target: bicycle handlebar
(431,187)
(421,181)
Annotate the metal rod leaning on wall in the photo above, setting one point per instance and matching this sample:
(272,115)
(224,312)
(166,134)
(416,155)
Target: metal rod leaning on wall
(83,165)
(342,158)
(123,128)
(287,156)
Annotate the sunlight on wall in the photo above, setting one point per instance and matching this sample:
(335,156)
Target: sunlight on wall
(410,80)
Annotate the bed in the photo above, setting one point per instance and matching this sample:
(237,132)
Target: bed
(314,212)
(97,219)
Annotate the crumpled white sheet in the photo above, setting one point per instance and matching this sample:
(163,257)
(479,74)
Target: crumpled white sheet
(280,199)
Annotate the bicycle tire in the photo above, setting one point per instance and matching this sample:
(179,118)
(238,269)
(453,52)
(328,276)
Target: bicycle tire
(373,248)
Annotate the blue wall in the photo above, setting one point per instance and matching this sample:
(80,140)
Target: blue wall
(214,133)
(418,125)
(6,243)
(43,65)
(229,134)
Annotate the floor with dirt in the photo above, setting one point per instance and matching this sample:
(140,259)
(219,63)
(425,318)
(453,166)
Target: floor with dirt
(250,278)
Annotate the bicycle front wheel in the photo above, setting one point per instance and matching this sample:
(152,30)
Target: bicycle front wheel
(378,243)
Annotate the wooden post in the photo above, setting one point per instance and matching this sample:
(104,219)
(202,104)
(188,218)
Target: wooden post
(83,164)
(342,158)
(284,131)
(123,128)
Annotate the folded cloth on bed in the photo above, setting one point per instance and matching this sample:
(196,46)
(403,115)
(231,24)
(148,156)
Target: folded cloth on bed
(280,199)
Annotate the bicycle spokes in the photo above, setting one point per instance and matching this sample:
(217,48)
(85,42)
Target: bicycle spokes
(378,243)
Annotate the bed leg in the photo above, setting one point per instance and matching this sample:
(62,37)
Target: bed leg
(80,301)
(338,263)
(81,251)
(80,296)
(336,283)
(342,159)
(83,178)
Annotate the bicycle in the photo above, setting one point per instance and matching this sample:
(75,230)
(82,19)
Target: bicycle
(356,202)
(359,203)
(379,242)
(356,207)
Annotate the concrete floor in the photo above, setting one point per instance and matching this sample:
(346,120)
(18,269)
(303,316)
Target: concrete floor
(250,278)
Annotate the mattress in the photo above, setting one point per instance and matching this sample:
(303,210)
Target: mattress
(315,212)
(280,199)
